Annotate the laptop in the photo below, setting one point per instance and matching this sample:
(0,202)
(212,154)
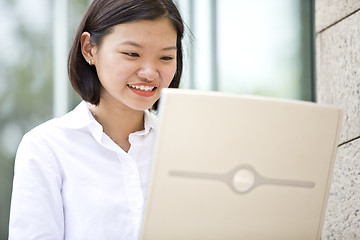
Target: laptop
(230,166)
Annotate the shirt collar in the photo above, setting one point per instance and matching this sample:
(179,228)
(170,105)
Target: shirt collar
(81,117)
(150,122)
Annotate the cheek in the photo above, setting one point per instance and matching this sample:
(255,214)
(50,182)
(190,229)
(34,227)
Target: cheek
(116,71)
(169,75)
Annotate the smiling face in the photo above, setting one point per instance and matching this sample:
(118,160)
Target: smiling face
(135,62)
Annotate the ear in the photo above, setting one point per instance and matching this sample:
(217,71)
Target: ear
(87,48)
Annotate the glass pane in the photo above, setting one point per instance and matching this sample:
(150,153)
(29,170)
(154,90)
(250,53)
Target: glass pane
(76,10)
(259,47)
(25,83)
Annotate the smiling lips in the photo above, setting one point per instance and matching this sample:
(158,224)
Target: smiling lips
(141,89)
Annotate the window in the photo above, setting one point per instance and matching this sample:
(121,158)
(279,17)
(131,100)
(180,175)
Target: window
(250,47)
(253,47)
(25,82)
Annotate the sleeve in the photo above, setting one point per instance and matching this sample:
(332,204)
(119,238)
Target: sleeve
(36,205)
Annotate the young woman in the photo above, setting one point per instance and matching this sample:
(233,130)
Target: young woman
(84,175)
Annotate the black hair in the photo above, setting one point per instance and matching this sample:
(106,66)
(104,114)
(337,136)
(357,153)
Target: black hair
(99,20)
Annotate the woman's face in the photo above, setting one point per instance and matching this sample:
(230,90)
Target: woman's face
(135,62)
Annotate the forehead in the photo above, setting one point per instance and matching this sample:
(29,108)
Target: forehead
(144,32)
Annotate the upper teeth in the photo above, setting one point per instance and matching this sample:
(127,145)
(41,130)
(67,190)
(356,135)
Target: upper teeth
(142,88)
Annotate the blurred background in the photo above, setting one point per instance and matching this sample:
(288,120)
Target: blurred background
(248,47)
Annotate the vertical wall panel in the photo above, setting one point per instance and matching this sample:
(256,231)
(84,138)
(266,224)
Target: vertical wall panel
(338,72)
(338,84)
(329,12)
(60,34)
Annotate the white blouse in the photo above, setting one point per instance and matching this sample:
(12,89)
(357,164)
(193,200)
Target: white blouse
(72,181)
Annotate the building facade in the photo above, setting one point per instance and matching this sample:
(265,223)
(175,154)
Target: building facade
(338,83)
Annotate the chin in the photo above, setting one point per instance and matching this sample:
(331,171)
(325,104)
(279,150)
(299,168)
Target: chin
(141,107)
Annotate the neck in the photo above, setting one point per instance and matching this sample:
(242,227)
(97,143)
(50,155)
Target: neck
(118,122)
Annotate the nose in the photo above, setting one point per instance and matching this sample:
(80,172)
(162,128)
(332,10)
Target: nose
(149,72)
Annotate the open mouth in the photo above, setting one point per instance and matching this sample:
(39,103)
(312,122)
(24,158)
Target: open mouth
(142,88)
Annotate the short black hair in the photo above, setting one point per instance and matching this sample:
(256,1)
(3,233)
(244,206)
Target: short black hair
(99,20)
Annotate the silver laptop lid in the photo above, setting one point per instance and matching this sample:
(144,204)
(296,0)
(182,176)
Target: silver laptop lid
(240,167)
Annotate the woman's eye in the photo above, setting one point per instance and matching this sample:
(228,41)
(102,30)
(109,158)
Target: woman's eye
(131,54)
(166,58)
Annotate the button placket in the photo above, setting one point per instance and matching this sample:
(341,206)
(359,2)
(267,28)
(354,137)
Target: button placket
(133,187)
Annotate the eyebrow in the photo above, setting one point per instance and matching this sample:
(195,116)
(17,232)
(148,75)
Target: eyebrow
(169,48)
(131,43)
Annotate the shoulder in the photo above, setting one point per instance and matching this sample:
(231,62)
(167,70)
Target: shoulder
(34,152)
(46,130)
(35,143)
(43,130)
(56,129)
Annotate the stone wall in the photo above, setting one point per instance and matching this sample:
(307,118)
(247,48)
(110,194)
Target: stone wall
(338,83)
